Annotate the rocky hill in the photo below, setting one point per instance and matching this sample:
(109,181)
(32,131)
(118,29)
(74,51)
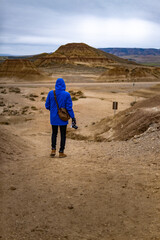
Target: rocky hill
(130,73)
(120,52)
(79,53)
(20,69)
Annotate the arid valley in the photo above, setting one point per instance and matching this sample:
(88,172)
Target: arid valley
(108,187)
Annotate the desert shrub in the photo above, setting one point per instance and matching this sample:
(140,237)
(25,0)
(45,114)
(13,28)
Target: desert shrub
(75,95)
(26,107)
(14,89)
(74,98)
(34,108)
(32,99)
(113,92)
(4,123)
(132,103)
(2,104)
(43,99)
(10,106)
(4,91)
(84,97)
(79,93)
(33,95)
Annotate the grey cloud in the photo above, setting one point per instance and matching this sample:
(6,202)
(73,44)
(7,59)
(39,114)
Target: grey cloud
(117,8)
(25,49)
(52,23)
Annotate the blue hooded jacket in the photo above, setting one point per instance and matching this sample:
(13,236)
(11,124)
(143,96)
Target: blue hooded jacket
(64,100)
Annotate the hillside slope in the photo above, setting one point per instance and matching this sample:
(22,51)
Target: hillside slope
(76,53)
(20,69)
(143,116)
(130,74)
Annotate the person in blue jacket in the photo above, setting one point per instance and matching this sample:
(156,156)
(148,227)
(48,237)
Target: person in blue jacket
(64,101)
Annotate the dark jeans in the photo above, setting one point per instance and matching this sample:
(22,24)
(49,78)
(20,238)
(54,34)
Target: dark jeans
(63,129)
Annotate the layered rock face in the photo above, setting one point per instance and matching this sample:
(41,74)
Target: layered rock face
(140,119)
(19,69)
(137,74)
(78,53)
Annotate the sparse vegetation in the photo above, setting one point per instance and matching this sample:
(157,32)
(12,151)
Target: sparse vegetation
(33,95)
(14,89)
(4,123)
(43,99)
(75,95)
(11,106)
(2,104)
(31,98)
(74,98)
(125,173)
(133,103)
(4,91)
(34,108)
(24,109)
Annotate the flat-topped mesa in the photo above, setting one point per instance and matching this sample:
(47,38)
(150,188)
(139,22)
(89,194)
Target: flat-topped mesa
(20,69)
(75,53)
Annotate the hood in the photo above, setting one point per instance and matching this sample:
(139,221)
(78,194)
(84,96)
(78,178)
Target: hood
(60,84)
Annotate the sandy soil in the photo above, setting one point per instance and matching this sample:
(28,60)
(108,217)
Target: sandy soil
(101,191)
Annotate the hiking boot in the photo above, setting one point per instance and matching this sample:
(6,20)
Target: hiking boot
(62,155)
(53,153)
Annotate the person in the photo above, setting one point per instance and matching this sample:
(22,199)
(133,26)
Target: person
(64,100)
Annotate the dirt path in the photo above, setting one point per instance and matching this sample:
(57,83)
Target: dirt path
(102,190)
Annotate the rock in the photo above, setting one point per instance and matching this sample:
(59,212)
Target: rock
(14,112)
(13,188)
(70,206)
(135,141)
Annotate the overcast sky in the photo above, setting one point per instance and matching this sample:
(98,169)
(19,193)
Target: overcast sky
(36,26)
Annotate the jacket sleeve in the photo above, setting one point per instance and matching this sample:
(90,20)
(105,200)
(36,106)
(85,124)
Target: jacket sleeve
(47,104)
(69,106)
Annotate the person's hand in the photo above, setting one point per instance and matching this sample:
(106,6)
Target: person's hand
(73,121)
